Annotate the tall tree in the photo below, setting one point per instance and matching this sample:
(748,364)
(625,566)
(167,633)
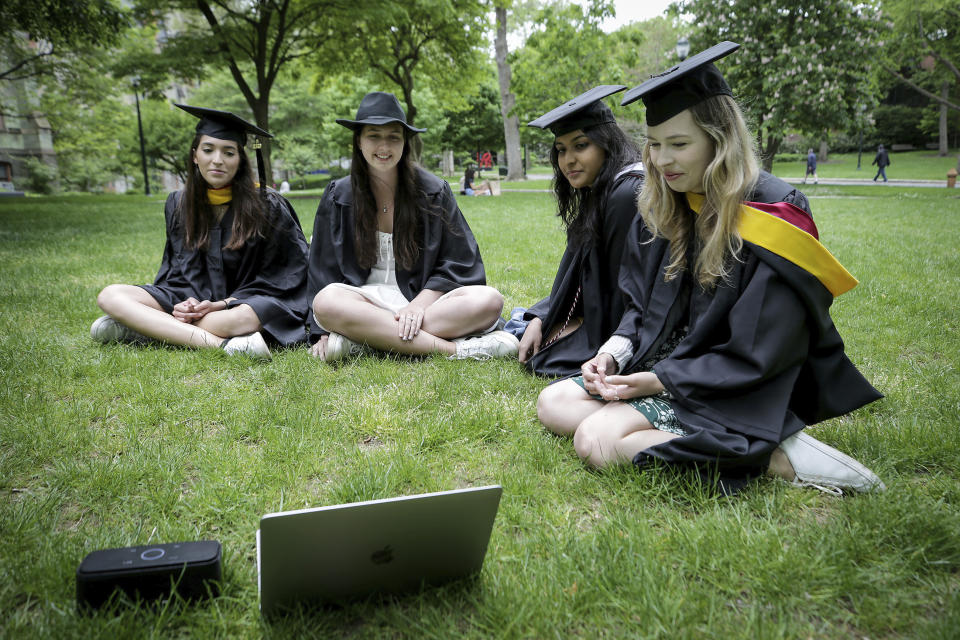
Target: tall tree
(253,39)
(569,53)
(511,124)
(925,53)
(439,42)
(802,64)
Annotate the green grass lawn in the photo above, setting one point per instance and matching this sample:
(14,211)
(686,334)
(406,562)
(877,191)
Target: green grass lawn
(108,446)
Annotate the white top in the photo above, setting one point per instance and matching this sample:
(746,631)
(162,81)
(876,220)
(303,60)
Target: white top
(385,269)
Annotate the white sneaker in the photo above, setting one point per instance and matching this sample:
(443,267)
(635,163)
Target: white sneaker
(251,344)
(821,466)
(339,347)
(496,344)
(105,329)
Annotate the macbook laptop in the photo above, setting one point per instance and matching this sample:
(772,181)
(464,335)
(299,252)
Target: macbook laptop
(334,553)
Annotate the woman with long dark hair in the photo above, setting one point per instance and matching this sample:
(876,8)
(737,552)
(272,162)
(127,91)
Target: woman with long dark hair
(726,350)
(393,264)
(234,267)
(597,174)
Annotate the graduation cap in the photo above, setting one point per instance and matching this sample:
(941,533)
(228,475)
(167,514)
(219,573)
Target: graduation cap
(684,85)
(586,110)
(224,125)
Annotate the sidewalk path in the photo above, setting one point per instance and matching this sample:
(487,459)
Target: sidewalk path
(942,184)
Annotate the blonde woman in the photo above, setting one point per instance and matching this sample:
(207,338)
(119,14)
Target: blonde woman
(726,350)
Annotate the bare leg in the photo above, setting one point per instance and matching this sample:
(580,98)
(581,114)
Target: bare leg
(464,311)
(353,316)
(562,406)
(137,309)
(236,321)
(615,434)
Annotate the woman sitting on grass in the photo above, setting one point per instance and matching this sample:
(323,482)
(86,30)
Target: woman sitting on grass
(234,268)
(393,263)
(727,349)
(597,174)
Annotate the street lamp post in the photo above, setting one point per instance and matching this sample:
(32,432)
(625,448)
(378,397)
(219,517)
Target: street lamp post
(683,48)
(143,153)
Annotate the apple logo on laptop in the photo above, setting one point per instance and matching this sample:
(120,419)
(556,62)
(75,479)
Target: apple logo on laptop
(382,556)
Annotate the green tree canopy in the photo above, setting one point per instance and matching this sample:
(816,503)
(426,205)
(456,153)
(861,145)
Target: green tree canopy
(37,35)
(802,66)
(568,54)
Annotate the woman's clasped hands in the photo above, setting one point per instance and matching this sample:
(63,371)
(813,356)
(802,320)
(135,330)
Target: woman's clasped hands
(600,379)
(409,321)
(191,309)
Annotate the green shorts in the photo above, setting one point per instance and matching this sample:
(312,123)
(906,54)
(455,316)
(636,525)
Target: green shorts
(656,409)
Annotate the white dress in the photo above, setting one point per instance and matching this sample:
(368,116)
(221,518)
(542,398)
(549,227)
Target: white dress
(381,286)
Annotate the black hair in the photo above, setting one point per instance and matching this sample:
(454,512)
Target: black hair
(580,208)
(196,213)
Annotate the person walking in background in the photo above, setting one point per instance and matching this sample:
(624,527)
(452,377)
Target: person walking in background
(811,167)
(882,160)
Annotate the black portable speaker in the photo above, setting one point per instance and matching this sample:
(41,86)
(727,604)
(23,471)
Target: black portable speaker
(192,569)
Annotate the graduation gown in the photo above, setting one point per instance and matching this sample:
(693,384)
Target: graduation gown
(761,359)
(595,268)
(269,274)
(449,255)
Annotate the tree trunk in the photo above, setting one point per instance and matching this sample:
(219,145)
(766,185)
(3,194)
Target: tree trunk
(823,150)
(945,94)
(511,125)
(767,154)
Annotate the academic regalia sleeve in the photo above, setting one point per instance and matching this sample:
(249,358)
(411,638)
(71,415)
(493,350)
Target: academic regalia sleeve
(326,248)
(641,268)
(172,285)
(275,287)
(449,247)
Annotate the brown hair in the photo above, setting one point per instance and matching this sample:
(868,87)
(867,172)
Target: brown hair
(196,213)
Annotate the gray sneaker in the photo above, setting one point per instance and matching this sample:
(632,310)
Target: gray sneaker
(496,344)
(105,329)
(340,347)
(251,344)
(821,466)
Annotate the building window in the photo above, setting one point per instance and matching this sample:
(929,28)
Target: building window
(6,172)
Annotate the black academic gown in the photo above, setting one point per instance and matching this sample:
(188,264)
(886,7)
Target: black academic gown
(595,267)
(449,255)
(269,274)
(762,358)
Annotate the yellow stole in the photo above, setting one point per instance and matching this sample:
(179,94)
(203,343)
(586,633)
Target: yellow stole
(223,195)
(791,243)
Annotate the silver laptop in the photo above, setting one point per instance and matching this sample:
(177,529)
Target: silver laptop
(334,553)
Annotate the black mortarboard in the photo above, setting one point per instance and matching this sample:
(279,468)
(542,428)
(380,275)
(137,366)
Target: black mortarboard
(224,125)
(377,108)
(586,110)
(684,85)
